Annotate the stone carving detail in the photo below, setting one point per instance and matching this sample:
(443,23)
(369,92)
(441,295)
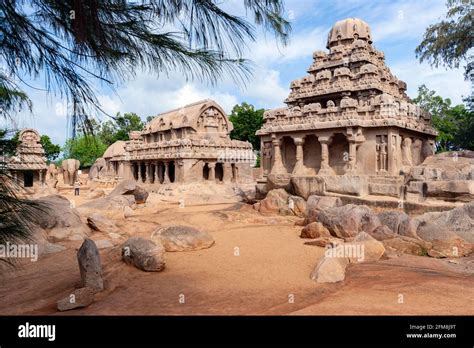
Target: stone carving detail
(382,151)
(406,152)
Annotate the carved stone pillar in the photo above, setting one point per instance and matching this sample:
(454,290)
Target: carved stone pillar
(227,172)
(325,168)
(157,173)
(212,172)
(351,165)
(147,173)
(277,167)
(41,177)
(299,168)
(166,176)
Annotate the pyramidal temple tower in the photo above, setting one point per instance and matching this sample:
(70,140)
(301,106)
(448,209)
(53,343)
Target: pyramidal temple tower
(348,116)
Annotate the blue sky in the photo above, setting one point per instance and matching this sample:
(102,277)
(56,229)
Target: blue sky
(397,28)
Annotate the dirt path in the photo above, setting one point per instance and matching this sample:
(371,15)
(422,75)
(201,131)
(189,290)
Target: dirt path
(259,265)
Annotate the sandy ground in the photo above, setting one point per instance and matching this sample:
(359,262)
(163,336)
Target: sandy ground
(258,265)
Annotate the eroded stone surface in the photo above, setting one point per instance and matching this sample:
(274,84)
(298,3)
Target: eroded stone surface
(182,238)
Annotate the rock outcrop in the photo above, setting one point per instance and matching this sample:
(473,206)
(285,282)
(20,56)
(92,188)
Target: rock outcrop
(89,265)
(182,238)
(144,254)
(79,298)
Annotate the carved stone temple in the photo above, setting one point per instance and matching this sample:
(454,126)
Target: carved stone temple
(348,125)
(189,144)
(28,166)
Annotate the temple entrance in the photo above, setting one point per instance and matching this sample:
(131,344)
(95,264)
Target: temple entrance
(288,153)
(153,173)
(205,171)
(171,171)
(312,154)
(339,153)
(135,171)
(142,171)
(161,172)
(28,177)
(234,172)
(219,172)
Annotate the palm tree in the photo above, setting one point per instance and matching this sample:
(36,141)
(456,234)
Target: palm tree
(72,44)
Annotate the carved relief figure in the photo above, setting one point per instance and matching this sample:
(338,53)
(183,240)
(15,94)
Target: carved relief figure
(406,152)
(381,148)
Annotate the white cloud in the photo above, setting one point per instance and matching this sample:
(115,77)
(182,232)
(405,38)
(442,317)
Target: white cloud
(266,89)
(446,83)
(302,44)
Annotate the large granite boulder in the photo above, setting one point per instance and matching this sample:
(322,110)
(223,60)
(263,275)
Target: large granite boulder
(371,249)
(275,201)
(316,203)
(79,298)
(451,232)
(330,270)
(130,187)
(315,230)
(59,221)
(182,238)
(144,254)
(408,245)
(100,223)
(89,265)
(399,223)
(347,221)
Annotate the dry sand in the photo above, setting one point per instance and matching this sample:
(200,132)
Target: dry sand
(258,265)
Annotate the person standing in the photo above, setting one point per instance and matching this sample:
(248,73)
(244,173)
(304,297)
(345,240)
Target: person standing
(77,186)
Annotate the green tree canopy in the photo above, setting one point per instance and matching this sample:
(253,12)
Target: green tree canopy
(455,124)
(85,148)
(448,43)
(120,127)
(76,44)
(246,121)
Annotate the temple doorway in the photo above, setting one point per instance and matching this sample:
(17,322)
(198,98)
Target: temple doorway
(288,153)
(312,154)
(205,171)
(219,172)
(339,153)
(171,171)
(28,177)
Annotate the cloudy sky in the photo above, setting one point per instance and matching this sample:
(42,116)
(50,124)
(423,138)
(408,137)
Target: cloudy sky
(397,28)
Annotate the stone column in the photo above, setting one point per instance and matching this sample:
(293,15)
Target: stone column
(299,168)
(40,174)
(157,173)
(325,168)
(227,171)
(277,167)
(212,173)
(147,173)
(351,165)
(166,173)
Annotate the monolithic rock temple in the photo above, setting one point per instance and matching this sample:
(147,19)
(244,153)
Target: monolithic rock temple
(28,167)
(348,126)
(189,144)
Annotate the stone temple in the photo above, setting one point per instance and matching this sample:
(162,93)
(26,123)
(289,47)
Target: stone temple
(348,126)
(28,166)
(189,144)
